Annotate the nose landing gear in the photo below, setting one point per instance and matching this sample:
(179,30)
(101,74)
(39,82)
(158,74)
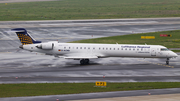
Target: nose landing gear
(167,61)
(84,61)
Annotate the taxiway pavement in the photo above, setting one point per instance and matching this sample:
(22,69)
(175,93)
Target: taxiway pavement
(109,70)
(17,66)
(26,65)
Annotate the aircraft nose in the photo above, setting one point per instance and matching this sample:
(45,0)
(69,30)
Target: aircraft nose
(174,54)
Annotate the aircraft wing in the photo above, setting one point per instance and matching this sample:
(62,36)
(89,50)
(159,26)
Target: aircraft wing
(80,57)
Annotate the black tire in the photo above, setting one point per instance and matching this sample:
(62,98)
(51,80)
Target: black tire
(86,61)
(167,62)
(82,62)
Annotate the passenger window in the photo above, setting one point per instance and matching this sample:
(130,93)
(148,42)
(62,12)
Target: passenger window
(114,48)
(76,47)
(109,48)
(84,47)
(69,47)
(80,47)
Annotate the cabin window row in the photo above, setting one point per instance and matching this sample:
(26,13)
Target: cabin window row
(100,48)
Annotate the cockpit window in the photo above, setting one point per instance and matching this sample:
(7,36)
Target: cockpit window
(164,49)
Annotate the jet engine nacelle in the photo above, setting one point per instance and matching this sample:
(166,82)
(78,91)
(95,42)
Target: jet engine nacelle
(46,46)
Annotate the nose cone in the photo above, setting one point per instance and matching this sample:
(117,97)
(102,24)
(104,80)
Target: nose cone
(21,46)
(174,54)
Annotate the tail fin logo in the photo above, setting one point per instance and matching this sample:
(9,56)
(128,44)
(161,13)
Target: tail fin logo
(24,36)
(24,39)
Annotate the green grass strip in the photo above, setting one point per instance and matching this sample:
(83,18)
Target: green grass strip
(175,50)
(85,9)
(17,90)
(169,42)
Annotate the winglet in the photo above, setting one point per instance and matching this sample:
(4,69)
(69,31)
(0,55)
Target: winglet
(24,36)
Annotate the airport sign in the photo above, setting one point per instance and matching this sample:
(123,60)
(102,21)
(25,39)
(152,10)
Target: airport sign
(165,35)
(147,37)
(100,83)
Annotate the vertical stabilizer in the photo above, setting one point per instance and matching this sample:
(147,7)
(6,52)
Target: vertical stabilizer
(24,37)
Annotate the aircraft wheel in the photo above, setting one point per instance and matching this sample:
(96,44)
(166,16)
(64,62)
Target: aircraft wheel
(86,61)
(167,62)
(82,62)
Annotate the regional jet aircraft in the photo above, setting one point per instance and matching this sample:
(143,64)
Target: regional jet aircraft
(84,51)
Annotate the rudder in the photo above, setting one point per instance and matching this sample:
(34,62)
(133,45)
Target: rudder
(24,37)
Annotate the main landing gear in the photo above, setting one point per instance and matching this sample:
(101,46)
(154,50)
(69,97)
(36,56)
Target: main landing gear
(84,61)
(167,61)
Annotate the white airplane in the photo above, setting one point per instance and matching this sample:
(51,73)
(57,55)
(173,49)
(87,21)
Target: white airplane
(84,51)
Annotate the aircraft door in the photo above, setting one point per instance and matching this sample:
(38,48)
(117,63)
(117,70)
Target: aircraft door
(153,52)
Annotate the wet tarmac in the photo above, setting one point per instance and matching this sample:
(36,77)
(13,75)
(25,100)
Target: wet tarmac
(39,68)
(27,66)
(18,66)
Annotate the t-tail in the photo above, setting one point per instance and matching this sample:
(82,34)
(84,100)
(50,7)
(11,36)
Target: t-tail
(24,37)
